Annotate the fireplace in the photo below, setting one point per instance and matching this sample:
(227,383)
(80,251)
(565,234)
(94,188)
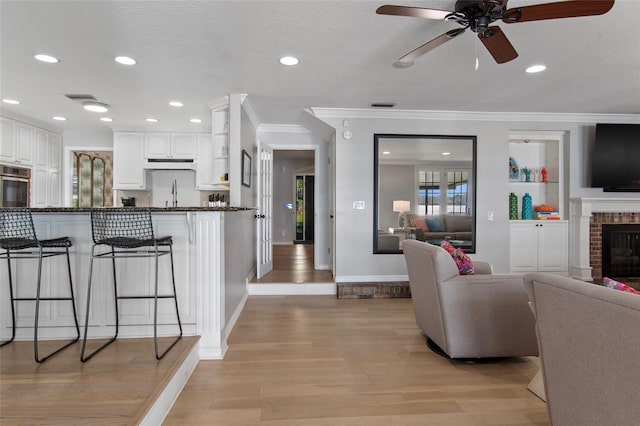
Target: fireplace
(621,250)
(614,246)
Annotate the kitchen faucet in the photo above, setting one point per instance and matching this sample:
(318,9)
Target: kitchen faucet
(174,192)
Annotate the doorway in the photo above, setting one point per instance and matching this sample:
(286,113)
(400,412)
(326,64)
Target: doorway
(304,209)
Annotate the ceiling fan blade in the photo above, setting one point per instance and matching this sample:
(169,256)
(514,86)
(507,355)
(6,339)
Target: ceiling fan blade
(415,12)
(564,9)
(431,44)
(498,45)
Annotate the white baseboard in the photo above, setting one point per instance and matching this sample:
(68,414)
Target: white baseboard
(235,316)
(280,289)
(370,278)
(282,244)
(162,405)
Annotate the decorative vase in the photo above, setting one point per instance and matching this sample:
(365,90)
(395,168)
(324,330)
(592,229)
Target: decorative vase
(513,206)
(527,207)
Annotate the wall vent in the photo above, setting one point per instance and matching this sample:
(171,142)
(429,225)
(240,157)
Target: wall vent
(382,105)
(81,98)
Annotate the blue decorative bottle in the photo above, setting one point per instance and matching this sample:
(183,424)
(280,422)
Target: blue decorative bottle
(527,207)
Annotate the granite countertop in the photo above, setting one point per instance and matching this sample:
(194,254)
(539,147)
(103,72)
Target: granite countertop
(152,209)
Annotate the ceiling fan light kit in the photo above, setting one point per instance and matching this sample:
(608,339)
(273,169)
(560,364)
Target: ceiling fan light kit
(478,15)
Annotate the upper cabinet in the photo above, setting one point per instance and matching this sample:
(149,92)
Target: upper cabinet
(128,160)
(170,146)
(220,125)
(536,167)
(16,142)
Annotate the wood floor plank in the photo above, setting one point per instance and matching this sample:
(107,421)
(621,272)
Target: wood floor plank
(316,361)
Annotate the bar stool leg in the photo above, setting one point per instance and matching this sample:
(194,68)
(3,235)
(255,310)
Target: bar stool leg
(11,300)
(155,313)
(36,352)
(84,358)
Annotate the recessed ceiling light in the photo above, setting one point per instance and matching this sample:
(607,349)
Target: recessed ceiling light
(125,60)
(106,119)
(95,106)
(195,120)
(151,120)
(11,101)
(386,152)
(535,68)
(176,104)
(446,153)
(46,58)
(289,60)
(59,118)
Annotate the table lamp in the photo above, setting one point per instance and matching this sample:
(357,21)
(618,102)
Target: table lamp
(401,206)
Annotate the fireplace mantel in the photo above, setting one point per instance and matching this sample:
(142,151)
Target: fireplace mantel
(582,210)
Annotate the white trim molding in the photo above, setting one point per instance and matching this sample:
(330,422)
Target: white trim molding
(283,128)
(474,115)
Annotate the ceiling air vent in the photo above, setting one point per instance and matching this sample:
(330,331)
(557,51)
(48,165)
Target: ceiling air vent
(382,105)
(81,98)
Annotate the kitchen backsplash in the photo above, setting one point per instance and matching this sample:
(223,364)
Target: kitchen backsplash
(160,183)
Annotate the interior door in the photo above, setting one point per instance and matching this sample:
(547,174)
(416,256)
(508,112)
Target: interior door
(264,217)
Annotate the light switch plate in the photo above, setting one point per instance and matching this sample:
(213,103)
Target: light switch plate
(358,205)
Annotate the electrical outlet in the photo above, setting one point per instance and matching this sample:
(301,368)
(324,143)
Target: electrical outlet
(358,205)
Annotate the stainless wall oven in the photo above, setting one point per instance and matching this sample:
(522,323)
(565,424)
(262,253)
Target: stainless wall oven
(15,186)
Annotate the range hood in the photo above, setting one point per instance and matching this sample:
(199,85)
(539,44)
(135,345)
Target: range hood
(169,164)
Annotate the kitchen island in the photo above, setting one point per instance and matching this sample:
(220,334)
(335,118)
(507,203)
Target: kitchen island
(214,255)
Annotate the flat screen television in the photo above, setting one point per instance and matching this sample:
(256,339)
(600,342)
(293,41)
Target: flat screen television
(615,164)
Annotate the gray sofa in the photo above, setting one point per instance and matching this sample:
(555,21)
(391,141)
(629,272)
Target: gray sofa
(589,339)
(468,316)
(456,227)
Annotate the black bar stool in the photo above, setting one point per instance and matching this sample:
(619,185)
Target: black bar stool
(127,233)
(17,236)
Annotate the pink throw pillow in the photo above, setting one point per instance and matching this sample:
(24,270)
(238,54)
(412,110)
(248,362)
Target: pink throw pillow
(420,223)
(617,285)
(463,261)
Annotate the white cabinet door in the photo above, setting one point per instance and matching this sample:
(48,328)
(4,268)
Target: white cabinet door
(7,140)
(523,247)
(24,147)
(539,246)
(128,153)
(204,162)
(55,151)
(157,145)
(42,149)
(553,242)
(183,145)
(169,145)
(39,187)
(54,196)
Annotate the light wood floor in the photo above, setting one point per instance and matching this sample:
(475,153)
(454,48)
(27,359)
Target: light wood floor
(116,387)
(294,264)
(320,361)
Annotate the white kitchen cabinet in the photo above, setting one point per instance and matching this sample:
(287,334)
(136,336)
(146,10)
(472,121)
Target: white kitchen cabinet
(537,245)
(204,162)
(56,151)
(128,160)
(16,142)
(43,148)
(170,146)
(220,124)
(39,187)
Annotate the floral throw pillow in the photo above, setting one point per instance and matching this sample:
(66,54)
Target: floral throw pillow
(617,285)
(463,261)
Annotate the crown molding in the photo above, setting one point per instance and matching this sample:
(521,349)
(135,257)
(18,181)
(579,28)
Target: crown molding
(474,115)
(282,128)
(246,105)
(218,103)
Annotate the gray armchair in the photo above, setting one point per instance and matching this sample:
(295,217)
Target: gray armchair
(468,316)
(589,340)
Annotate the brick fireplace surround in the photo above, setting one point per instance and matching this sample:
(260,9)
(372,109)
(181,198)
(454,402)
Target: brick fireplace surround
(588,216)
(595,237)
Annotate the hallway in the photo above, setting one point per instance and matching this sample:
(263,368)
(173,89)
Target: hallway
(294,264)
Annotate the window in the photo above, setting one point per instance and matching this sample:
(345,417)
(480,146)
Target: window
(436,196)
(92,179)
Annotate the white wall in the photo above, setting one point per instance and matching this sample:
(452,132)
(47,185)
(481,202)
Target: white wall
(355,260)
(248,143)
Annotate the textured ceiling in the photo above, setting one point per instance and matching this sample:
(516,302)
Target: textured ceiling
(197,51)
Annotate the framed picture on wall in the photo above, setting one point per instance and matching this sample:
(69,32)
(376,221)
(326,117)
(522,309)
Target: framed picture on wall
(246,169)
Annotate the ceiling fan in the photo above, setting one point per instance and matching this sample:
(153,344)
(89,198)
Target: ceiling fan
(477,15)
